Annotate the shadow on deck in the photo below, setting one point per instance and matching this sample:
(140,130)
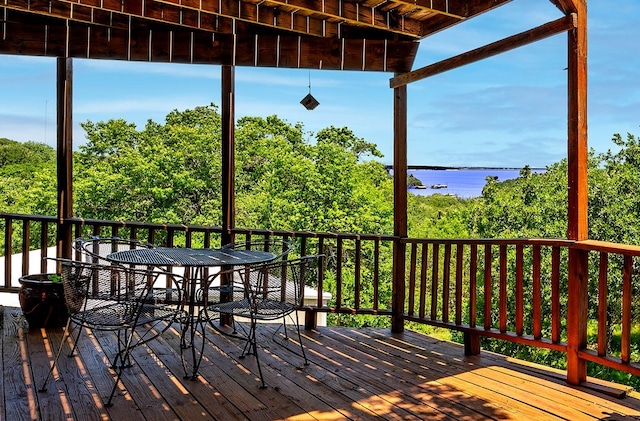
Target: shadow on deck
(354,374)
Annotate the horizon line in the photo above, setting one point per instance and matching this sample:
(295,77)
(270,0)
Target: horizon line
(440,167)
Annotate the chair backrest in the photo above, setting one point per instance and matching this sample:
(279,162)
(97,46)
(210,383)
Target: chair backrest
(280,282)
(97,248)
(277,246)
(90,287)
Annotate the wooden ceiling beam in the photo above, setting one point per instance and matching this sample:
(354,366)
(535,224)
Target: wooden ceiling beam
(568,6)
(455,9)
(563,24)
(107,14)
(472,8)
(24,34)
(331,12)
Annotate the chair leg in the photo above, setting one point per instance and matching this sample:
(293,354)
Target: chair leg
(251,342)
(75,341)
(196,354)
(124,355)
(66,334)
(304,354)
(121,355)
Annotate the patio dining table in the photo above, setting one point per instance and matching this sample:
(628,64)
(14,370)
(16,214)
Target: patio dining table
(196,262)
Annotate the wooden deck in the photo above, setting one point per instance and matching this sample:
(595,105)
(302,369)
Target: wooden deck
(354,374)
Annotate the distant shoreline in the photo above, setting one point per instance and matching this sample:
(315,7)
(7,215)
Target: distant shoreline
(437,167)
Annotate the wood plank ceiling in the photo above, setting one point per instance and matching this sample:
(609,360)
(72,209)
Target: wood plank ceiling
(378,35)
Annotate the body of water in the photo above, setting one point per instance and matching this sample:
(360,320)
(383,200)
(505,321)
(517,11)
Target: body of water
(465,183)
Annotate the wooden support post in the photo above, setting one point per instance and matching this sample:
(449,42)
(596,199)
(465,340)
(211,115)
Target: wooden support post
(228,153)
(64,133)
(228,168)
(577,158)
(471,343)
(399,204)
(310,320)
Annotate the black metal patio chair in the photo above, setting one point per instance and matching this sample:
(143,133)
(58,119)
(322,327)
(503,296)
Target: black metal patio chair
(137,305)
(97,248)
(271,291)
(220,288)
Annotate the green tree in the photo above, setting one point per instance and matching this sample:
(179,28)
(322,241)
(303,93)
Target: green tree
(164,173)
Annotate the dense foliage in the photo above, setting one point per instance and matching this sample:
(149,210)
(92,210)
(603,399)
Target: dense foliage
(28,178)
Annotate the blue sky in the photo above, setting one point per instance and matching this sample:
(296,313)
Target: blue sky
(509,110)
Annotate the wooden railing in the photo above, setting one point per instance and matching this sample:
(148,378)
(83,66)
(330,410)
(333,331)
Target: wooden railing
(514,290)
(352,261)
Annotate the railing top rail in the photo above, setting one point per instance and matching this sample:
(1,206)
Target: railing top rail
(559,242)
(604,246)
(313,234)
(200,228)
(18,216)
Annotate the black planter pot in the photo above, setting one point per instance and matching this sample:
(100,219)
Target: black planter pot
(42,300)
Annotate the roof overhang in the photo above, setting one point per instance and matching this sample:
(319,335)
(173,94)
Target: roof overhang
(370,35)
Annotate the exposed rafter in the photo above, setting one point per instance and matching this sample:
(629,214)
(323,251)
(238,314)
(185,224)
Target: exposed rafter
(568,6)
(375,35)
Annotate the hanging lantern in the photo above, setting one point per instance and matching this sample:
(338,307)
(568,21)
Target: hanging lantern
(309,102)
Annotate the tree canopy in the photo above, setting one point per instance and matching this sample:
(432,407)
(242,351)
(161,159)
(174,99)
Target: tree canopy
(285,178)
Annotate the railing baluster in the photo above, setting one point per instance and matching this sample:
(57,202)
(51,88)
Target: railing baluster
(133,233)
(603,292)
(358,286)
(434,281)
(537,293)
(376,273)
(446,282)
(44,245)
(487,286)
(321,273)
(519,290)
(555,295)
(503,288)
(424,267)
(412,281)
(473,286)
(8,251)
(627,296)
(459,269)
(26,245)
(339,273)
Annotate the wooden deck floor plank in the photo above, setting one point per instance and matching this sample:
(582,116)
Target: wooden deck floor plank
(420,398)
(20,397)
(367,404)
(628,405)
(136,385)
(528,376)
(238,381)
(75,393)
(208,395)
(442,371)
(448,388)
(524,389)
(362,374)
(226,351)
(556,397)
